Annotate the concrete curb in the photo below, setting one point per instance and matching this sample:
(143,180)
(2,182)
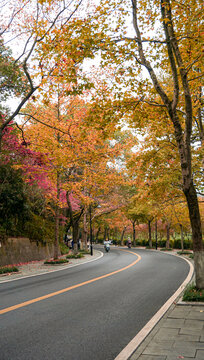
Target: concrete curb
(190,303)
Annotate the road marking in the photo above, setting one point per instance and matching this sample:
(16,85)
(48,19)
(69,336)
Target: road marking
(18,306)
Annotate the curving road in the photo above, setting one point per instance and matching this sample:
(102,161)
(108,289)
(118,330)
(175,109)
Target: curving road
(95,319)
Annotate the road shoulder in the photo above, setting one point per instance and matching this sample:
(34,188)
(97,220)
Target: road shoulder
(36,268)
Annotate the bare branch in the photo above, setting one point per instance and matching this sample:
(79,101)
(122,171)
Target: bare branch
(22,133)
(12,18)
(144,61)
(193,62)
(197,77)
(143,41)
(25,99)
(154,104)
(106,211)
(58,15)
(45,124)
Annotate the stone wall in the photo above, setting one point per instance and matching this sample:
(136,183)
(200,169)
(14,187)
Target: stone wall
(21,250)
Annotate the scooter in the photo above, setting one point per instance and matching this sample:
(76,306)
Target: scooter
(107,247)
(129,245)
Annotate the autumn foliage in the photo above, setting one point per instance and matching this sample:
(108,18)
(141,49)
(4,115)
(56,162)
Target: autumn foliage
(108,122)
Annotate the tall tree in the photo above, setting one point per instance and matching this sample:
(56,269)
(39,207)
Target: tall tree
(47,40)
(175,46)
(77,151)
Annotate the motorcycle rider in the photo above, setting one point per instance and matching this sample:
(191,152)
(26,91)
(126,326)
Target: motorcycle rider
(106,245)
(129,242)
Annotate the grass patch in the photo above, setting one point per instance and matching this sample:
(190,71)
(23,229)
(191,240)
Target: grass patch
(8,269)
(191,293)
(75,256)
(185,252)
(56,261)
(166,249)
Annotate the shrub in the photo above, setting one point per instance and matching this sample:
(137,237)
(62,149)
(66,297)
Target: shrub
(185,252)
(14,207)
(39,229)
(144,243)
(187,244)
(171,243)
(191,293)
(8,269)
(115,242)
(138,243)
(56,261)
(3,234)
(162,243)
(64,248)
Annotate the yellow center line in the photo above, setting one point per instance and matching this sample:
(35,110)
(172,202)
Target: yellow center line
(14,307)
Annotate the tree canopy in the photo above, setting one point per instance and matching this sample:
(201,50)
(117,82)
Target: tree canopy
(110,111)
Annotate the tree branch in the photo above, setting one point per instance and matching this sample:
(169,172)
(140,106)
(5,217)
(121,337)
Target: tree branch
(144,61)
(183,73)
(41,122)
(166,24)
(104,212)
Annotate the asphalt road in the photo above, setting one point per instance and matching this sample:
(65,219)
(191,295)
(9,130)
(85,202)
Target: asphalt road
(91,322)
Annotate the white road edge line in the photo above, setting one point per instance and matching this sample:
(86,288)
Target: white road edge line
(137,340)
(49,272)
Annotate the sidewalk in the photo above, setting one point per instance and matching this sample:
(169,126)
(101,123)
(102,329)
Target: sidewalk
(178,335)
(38,267)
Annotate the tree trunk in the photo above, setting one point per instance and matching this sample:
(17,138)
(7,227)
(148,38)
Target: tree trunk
(194,214)
(133,227)
(108,233)
(84,232)
(97,234)
(74,221)
(122,235)
(199,268)
(105,234)
(90,230)
(56,241)
(150,233)
(156,233)
(75,235)
(181,228)
(167,235)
